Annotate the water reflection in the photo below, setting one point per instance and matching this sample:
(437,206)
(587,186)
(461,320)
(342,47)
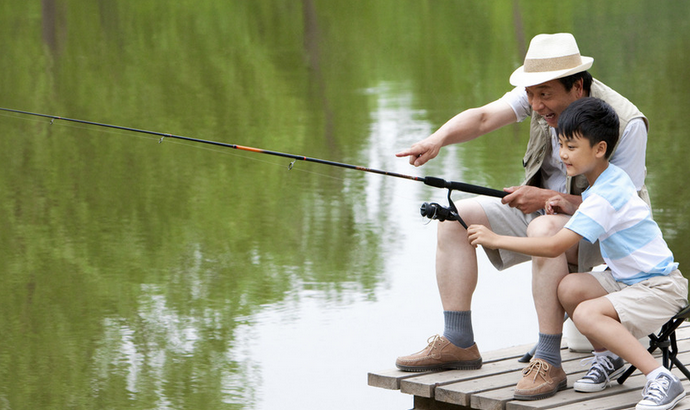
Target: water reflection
(146,275)
(324,330)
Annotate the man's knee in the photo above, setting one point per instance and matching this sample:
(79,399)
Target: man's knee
(452,232)
(547,225)
(470,211)
(569,292)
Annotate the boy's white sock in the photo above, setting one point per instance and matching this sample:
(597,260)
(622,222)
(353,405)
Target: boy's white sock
(659,370)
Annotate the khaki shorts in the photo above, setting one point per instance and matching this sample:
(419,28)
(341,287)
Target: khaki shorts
(645,306)
(509,221)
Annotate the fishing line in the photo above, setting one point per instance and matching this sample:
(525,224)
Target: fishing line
(428,180)
(216,150)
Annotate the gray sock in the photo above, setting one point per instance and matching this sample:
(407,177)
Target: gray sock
(458,328)
(549,349)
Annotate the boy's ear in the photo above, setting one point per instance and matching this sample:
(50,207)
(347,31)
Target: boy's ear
(600,149)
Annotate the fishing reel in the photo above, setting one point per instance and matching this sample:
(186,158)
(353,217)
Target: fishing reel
(433,210)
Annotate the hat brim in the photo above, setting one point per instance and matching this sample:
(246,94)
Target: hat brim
(520,78)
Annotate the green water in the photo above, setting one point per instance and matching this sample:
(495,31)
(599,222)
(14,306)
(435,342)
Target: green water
(138,274)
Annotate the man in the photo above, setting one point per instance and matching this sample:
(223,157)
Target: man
(554,75)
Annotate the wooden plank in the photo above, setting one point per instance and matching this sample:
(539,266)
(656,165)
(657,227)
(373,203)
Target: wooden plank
(425,386)
(478,397)
(423,403)
(493,399)
(492,386)
(496,397)
(390,379)
(614,395)
(620,400)
(461,392)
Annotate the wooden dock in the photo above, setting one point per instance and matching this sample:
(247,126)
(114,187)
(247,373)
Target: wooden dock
(492,386)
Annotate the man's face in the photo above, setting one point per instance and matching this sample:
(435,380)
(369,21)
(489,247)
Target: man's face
(549,99)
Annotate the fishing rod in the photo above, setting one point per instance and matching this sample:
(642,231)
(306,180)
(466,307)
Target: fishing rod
(432,211)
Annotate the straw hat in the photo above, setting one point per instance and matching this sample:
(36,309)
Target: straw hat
(550,56)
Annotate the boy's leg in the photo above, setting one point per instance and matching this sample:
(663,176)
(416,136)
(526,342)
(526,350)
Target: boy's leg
(594,314)
(598,320)
(577,288)
(605,365)
(596,297)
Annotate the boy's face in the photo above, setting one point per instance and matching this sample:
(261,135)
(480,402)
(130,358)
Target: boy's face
(549,99)
(579,156)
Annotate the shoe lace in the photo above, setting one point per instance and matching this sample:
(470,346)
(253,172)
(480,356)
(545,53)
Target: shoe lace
(539,367)
(656,389)
(432,341)
(600,365)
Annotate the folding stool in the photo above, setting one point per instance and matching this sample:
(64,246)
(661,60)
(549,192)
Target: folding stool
(665,341)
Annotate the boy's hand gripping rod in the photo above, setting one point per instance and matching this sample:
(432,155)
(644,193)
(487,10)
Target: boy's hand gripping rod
(432,211)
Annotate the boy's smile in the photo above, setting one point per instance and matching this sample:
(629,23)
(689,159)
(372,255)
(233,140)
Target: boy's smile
(581,158)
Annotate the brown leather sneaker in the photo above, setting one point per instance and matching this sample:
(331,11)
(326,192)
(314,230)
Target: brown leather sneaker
(441,354)
(540,380)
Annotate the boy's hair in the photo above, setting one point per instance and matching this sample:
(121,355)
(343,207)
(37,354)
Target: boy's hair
(590,118)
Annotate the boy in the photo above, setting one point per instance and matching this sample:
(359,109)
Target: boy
(641,288)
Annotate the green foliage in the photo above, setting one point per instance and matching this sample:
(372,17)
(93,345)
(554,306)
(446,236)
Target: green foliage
(128,265)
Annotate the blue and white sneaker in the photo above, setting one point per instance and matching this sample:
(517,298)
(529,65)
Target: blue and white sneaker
(662,393)
(603,370)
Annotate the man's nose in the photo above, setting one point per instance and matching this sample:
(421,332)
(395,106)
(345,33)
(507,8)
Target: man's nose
(537,104)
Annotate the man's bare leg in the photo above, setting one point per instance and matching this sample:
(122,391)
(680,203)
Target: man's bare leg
(547,273)
(545,376)
(456,276)
(456,259)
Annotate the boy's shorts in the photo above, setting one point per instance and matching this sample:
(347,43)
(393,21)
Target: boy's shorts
(645,306)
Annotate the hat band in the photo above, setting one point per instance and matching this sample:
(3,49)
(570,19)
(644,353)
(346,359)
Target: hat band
(540,65)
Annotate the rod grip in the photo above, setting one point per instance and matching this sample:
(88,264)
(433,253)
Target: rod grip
(461,186)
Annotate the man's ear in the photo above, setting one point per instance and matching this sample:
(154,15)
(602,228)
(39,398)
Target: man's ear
(579,87)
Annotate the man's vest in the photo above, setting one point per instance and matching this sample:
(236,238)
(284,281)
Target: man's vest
(540,139)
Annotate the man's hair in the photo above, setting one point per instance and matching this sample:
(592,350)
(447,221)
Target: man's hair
(590,118)
(570,80)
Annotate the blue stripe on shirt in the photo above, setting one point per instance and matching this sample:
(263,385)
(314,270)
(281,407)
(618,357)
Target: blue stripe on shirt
(663,268)
(622,243)
(620,193)
(587,227)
